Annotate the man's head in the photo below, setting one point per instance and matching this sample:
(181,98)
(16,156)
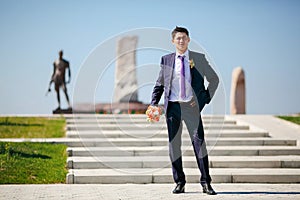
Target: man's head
(60,53)
(181,39)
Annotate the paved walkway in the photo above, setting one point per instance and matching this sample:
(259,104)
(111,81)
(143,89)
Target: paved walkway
(276,127)
(148,191)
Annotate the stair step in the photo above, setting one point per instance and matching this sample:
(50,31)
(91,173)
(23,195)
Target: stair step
(188,162)
(187,151)
(164,175)
(143,127)
(161,134)
(125,148)
(124,142)
(130,116)
(120,142)
(138,121)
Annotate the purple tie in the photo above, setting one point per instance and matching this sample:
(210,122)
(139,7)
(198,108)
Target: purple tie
(182,78)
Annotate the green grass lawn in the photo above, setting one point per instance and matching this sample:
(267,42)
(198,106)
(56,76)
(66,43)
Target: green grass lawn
(294,119)
(32,127)
(32,163)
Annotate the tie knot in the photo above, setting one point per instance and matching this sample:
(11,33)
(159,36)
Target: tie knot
(181,57)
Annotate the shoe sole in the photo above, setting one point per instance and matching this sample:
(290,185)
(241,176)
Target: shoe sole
(183,191)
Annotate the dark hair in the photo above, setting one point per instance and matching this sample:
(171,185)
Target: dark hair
(181,30)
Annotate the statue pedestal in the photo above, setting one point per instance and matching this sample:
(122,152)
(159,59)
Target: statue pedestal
(63,111)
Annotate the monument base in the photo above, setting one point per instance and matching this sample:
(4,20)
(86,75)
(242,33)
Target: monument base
(63,111)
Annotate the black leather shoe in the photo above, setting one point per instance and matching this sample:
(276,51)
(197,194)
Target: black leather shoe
(208,189)
(179,188)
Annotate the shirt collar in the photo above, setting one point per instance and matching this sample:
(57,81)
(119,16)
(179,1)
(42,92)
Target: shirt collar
(186,54)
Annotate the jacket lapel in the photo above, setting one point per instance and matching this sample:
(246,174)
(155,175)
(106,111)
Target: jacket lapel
(169,68)
(172,62)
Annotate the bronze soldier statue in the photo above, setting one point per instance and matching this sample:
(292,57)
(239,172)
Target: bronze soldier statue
(60,66)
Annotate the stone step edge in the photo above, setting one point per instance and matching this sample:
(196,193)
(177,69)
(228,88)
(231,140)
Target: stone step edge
(150,143)
(164,131)
(153,126)
(189,161)
(213,151)
(219,175)
(132,116)
(80,140)
(140,122)
(73,134)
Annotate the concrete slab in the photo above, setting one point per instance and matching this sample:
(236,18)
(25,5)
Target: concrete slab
(120,142)
(219,175)
(188,161)
(126,116)
(148,191)
(277,128)
(161,134)
(142,127)
(138,121)
(188,151)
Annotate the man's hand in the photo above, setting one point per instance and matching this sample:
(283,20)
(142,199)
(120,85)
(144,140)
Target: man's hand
(153,113)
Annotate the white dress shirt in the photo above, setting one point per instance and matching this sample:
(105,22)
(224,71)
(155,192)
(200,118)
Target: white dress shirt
(175,88)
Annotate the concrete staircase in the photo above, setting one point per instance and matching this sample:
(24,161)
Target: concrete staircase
(128,149)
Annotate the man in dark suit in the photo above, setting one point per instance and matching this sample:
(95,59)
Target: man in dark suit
(181,78)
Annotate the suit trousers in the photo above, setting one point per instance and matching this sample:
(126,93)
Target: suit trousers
(176,113)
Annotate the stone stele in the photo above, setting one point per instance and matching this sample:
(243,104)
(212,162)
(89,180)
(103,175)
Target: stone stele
(238,92)
(125,72)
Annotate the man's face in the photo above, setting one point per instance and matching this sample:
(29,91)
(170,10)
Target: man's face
(181,41)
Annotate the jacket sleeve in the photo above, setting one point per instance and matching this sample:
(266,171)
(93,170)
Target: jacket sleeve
(159,85)
(213,80)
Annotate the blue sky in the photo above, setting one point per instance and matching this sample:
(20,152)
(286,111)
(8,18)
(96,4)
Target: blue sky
(262,36)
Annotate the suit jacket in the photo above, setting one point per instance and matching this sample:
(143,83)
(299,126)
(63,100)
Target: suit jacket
(201,69)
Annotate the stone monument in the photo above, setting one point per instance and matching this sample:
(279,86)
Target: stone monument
(238,92)
(125,72)
(125,99)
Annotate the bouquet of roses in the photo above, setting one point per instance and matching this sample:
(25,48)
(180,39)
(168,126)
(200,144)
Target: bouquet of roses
(153,113)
